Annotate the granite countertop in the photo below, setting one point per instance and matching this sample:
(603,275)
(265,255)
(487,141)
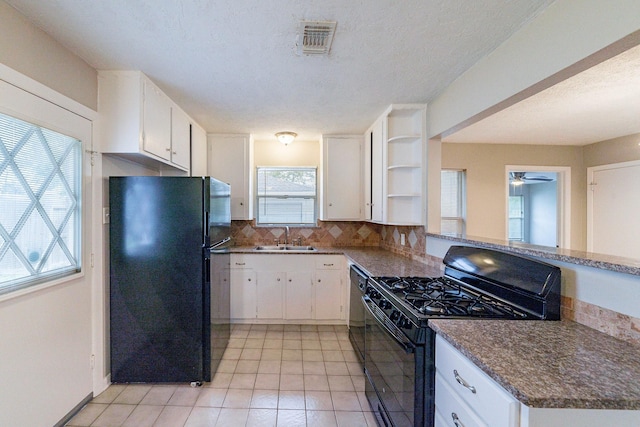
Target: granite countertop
(375,261)
(550,364)
(589,259)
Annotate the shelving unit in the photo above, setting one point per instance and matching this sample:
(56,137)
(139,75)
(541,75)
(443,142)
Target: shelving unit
(400,156)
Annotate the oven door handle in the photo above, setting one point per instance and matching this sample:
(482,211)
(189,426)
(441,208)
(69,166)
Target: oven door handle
(396,334)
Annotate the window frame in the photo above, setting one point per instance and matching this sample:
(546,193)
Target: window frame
(461,192)
(33,135)
(46,109)
(258,197)
(520,218)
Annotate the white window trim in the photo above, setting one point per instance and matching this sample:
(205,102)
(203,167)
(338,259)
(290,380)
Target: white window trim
(292,224)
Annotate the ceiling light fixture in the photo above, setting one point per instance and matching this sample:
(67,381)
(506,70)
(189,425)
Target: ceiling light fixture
(286,137)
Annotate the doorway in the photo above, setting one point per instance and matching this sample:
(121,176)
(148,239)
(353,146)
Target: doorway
(537,208)
(612,209)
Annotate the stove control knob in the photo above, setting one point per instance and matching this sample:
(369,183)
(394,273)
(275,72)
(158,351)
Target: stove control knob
(404,323)
(395,315)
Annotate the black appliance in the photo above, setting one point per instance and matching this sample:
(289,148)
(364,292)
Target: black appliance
(478,283)
(164,232)
(358,280)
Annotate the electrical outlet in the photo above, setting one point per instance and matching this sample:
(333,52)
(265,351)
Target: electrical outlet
(402,240)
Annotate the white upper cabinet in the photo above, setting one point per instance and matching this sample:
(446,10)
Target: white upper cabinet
(198,151)
(396,179)
(140,122)
(180,138)
(341,178)
(230,160)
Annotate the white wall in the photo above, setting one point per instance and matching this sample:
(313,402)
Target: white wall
(536,57)
(274,153)
(32,52)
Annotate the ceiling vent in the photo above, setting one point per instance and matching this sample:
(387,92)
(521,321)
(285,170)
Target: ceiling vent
(315,37)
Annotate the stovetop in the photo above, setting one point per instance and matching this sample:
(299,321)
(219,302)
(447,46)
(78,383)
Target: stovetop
(441,296)
(477,283)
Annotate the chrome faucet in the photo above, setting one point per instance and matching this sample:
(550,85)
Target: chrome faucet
(286,234)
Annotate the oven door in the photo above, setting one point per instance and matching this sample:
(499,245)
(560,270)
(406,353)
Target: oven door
(395,371)
(357,287)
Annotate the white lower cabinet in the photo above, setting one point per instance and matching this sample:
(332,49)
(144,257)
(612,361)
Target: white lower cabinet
(269,295)
(327,287)
(298,296)
(243,293)
(277,287)
(466,396)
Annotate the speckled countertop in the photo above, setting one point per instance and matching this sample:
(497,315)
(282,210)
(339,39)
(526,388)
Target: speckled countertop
(590,259)
(549,364)
(376,261)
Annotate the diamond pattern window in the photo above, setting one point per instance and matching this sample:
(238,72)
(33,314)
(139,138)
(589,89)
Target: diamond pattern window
(40,199)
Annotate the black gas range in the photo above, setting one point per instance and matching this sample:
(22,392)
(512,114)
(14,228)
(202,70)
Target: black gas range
(478,283)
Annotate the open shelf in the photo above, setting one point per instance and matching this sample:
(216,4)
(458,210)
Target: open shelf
(405,138)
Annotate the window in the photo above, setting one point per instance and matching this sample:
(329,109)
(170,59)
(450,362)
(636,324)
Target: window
(516,218)
(40,188)
(286,195)
(452,199)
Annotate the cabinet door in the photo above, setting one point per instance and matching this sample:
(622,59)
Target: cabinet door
(229,161)
(243,294)
(198,151)
(342,178)
(328,295)
(269,295)
(298,295)
(378,171)
(156,124)
(180,137)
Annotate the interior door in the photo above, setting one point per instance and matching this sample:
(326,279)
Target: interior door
(613,206)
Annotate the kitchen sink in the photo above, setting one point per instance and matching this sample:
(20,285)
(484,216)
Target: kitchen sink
(287,248)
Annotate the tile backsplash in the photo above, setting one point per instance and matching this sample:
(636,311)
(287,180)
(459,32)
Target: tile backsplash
(327,233)
(610,322)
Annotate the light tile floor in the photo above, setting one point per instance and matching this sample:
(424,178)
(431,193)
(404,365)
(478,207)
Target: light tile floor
(270,375)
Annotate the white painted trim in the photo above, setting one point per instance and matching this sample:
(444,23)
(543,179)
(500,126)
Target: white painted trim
(36,88)
(590,171)
(564,199)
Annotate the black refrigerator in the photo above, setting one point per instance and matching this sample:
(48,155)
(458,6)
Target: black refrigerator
(165,233)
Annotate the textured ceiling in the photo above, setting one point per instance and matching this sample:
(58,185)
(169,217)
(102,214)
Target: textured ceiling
(232,64)
(598,104)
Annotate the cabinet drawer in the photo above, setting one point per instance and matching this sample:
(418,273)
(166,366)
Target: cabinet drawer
(452,408)
(240,261)
(328,263)
(491,402)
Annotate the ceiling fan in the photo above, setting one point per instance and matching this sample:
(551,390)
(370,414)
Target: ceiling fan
(517,178)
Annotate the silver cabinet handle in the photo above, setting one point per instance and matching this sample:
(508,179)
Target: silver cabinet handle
(456,420)
(463,383)
(328,265)
(240,263)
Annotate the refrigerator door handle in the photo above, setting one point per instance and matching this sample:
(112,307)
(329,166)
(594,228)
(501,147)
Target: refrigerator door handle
(220,243)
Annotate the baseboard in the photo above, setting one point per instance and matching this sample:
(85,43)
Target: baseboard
(74,411)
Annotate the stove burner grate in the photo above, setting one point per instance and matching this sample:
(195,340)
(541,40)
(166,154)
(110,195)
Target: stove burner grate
(444,297)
